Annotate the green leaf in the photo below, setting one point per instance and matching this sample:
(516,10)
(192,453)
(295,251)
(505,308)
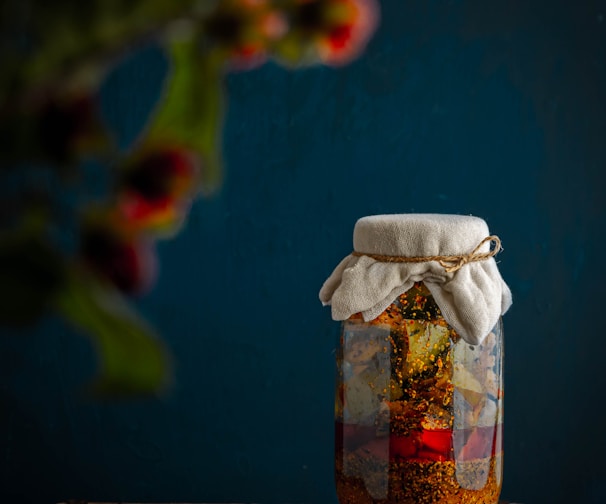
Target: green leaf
(191,112)
(31,270)
(133,360)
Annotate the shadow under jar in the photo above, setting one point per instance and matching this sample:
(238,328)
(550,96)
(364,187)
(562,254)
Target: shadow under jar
(418,410)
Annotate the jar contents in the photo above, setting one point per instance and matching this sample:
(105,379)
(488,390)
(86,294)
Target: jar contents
(418,410)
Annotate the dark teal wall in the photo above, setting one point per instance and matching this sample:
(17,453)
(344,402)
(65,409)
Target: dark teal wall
(491,108)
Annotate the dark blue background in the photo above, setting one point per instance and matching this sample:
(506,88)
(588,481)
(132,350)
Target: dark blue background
(491,108)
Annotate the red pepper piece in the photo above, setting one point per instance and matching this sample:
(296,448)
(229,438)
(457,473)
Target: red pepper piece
(439,441)
(404,446)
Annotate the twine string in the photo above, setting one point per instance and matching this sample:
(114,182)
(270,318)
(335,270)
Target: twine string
(450,263)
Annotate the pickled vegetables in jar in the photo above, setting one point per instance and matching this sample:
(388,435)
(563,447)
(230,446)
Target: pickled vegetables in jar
(419,392)
(418,410)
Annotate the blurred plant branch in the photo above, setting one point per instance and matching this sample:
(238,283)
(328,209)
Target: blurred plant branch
(79,257)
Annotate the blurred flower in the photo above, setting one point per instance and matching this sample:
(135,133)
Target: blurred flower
(331,31)
(68,127)
(123,258)
(156,189)
(349,34)
(244,29)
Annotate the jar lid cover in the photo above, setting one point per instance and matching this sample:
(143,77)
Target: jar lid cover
(450,254)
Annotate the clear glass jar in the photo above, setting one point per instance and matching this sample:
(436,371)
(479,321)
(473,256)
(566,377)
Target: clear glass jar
(418,411)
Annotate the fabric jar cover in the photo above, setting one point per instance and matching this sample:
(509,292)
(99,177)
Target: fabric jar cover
(471,298)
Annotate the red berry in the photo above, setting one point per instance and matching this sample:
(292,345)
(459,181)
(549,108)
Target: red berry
(156,189)
(129,263)
(343,39)
(339,37)
(144,213)
(161,174)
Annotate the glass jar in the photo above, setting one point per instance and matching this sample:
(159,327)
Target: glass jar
(418,410)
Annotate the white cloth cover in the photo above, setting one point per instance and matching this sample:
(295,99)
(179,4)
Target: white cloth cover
(471,299)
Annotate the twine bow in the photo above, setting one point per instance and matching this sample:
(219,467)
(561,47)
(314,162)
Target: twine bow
(450,263)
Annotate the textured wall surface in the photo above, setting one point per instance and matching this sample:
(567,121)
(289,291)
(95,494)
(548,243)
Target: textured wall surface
(496,109)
